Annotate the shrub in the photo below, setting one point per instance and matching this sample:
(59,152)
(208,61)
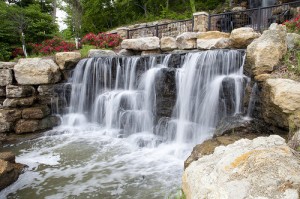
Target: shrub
(102,40)
(293,25)
(5,52)
(17,52)
(51,46)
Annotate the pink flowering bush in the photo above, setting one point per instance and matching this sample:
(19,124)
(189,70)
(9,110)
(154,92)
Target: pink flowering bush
(102,40)
(293,25)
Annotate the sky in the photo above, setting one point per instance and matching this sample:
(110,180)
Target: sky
(61,16)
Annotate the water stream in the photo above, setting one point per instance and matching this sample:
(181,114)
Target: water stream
(113,144)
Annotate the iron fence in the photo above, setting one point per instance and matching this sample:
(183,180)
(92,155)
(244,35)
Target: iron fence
(257,18)
(171,29)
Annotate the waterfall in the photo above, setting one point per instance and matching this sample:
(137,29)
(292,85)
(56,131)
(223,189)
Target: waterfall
(130,124)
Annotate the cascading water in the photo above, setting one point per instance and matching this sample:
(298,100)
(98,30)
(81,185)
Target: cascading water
(113,143)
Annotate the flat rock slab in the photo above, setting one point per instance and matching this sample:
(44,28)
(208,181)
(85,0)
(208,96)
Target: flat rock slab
(18,102)
(141,44)
(13,91)
(6,77)
(67,60)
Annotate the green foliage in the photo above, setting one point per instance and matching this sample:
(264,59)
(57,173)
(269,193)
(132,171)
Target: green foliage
(292,61)
(84,51)
(5,52)
(293,25)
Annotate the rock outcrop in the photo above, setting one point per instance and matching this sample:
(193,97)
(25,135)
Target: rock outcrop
(262,168)
(242,37)
(67,60)
(266,51)
(281,103)
(101,53)
(141,44)
(187,40)
(9,169)
(293,40)
(34,71)
(168,44)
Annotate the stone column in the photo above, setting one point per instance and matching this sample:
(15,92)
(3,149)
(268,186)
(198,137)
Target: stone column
(200,21)
(123,31)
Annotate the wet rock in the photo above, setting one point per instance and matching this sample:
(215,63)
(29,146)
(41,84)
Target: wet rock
(168,43)
(51,90)
(6,77)
(207,44)
(242,37)
(16,102)
(262,168)
(36,71)
(19,91)
(141,44)
(259,59)
(67,60)
(31,125)
(101,53)
(35,112)
(9,170)
(125,52)
(5,127)
(187,40)
(281,103)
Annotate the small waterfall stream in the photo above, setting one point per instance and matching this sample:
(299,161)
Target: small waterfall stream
(113,143)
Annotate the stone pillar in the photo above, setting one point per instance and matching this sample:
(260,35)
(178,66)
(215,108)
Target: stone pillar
(123,31)
(200,21)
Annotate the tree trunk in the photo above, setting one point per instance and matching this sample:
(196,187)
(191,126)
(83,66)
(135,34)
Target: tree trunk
(54,10)
(23,44)
(192,3)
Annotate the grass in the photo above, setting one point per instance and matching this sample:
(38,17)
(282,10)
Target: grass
(178,195)
(84,51)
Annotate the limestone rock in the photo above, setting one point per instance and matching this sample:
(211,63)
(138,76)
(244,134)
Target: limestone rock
(207,44)
(140,44)
(281,103)
(101,53)
(5,126)
(8,156)
(187,40)
(7,65)
(31,125)
(19,91)
(125,52)
(262,168)
(266,51)
(212,35)
(37,71)
(168,43)
(10,115)
(67,60)
(6,77)
(51,89)
(150,52)
(293,40)
(35,112)
(16,102)
(294,142)
(242,37)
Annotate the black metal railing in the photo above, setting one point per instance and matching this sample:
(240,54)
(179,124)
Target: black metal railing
(171,29)
(257,18)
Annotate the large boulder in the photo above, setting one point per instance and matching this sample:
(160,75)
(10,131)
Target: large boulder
(266,51)
(262,168)
(9,170)
(6,77)
(19,91)
(125,52)
(242,37)
(35,112)
(168,43)
(293,40)
(101,53)
(141,44)
(67,60)
(10,115)
(207,44)
(281,103)
(187,40)
(7,65)
(34,125)
(212,35)
(36,71)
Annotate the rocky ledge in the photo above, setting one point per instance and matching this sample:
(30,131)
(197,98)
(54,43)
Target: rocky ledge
(265,167)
